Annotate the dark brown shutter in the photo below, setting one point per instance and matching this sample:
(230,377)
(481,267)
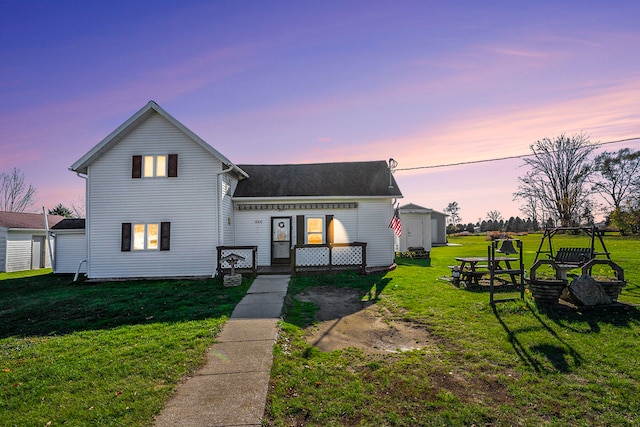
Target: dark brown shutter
(173,166)
(136,167)
(125,245)
(165,236)
(329,229)
(300,230)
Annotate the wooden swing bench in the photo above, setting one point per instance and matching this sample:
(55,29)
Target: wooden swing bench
(573,256)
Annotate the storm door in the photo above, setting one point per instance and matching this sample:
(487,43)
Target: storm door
(280,240)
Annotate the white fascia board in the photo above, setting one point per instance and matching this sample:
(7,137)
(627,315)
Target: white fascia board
(69,231)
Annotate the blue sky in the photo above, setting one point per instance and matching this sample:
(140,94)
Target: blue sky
(424,82)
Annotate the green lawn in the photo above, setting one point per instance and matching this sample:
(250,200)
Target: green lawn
(108,354)
(516,364)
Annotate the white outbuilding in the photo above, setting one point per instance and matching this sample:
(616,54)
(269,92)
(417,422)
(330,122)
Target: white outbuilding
(421,228)
(71,246)
(23,241)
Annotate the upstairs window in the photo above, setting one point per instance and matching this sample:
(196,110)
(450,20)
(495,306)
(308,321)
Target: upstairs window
(154,166)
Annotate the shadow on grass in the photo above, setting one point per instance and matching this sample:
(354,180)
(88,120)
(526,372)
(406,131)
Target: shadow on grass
(632,289)
(416,262)
(302,314)
(560,354)
(53,304)
(616,314)
(556,353)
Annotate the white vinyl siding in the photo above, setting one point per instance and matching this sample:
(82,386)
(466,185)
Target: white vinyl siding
(373,227)
(229,185)
(19,249)
(366,223)
(253,228)
(71,249)
(188,202)
(3,249)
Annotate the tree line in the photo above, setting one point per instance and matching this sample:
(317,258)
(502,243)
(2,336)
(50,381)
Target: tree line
(560,188)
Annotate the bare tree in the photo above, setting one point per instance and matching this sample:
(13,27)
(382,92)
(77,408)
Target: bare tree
(453,210)
(558,176)
(80,208)
(617,176)
(494,216)
(15,196)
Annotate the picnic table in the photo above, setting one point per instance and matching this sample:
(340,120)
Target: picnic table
(471,269)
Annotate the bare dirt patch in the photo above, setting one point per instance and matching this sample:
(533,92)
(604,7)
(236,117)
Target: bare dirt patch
(345,319)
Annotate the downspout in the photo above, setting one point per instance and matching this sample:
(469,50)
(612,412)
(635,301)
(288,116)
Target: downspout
(46,227)
(86,220)
(220,212)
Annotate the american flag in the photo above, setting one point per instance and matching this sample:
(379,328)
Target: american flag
(395,223)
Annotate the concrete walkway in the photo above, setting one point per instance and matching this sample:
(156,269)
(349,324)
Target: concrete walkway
(231,388)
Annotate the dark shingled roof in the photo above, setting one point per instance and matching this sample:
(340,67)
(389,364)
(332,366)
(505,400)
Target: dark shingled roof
(348,179)
(70,224)
(31,221)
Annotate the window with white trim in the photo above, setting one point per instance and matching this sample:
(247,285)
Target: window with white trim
(154,166)
(315,231)
(146,237)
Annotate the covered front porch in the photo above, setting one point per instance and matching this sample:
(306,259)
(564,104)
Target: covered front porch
(324,258)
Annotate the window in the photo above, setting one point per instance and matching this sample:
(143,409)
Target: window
(315,231)
(138,237)
(151,166)
(154,166)
(146,237)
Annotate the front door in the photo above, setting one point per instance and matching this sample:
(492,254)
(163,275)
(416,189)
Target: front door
(280,240)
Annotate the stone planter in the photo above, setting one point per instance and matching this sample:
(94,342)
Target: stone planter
(233,280)
(546,291)
(612,288)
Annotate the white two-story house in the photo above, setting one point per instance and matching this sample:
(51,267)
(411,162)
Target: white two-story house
(160,200)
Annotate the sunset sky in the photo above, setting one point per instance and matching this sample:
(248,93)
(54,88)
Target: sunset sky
(424,82)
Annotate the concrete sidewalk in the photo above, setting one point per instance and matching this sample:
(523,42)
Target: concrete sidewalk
(231,388)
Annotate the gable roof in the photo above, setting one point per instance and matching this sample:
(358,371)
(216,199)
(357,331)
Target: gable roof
(133,122)
(413,208)
(70,224)
(27,221)
(346,179)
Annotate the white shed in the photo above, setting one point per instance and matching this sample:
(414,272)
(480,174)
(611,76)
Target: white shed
(71,246)
(421,228)
(23,241)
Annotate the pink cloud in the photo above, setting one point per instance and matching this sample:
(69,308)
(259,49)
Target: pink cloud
(605,113)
